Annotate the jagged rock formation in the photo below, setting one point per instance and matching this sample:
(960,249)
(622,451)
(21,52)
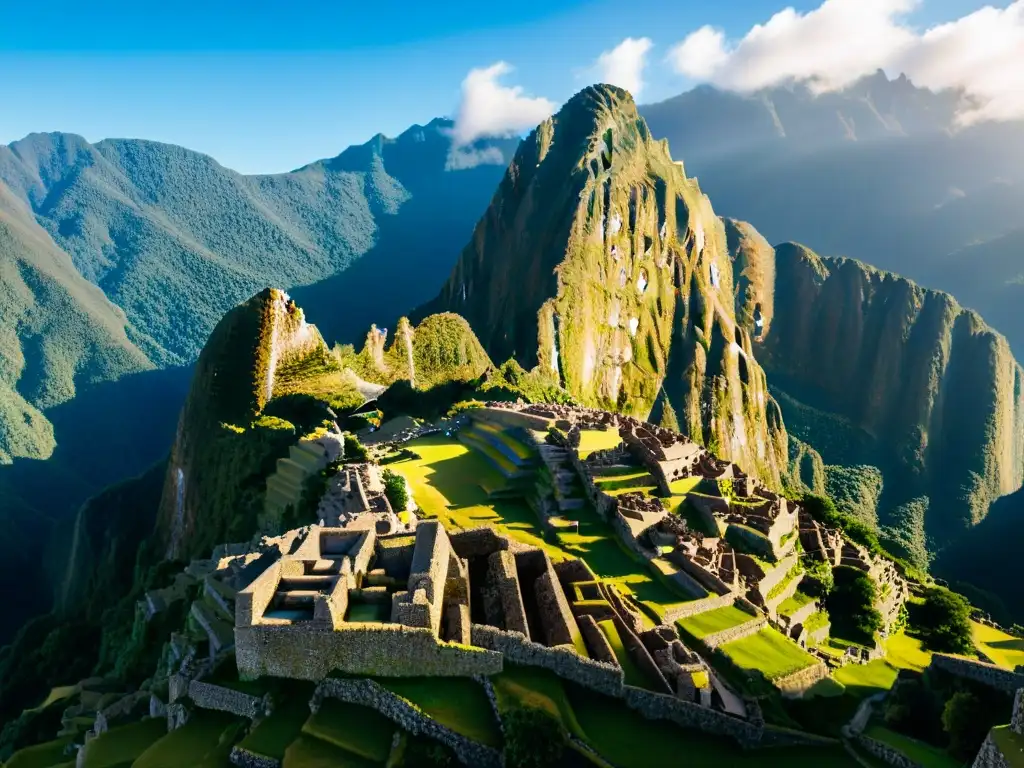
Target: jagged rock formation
(937,392)
(439,349)
(601,263)
(234,379)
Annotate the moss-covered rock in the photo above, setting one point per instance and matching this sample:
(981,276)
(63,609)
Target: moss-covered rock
(600,264)
(935,392)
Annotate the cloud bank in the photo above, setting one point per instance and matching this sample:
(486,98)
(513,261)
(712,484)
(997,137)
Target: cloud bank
(843,40)
(624,64)
(489,108)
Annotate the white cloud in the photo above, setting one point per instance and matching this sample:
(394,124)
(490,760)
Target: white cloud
(624,64)
(489,108)
(843,40)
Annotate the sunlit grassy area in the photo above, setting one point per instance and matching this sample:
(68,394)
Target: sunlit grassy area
(521,686)
(447,484)
(710,622)
(1005,650)
(205,740)
(456,702)
(768,651)
(597,440)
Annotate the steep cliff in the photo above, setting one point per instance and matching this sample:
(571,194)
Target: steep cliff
(226,442)
(600,262)
(936,393)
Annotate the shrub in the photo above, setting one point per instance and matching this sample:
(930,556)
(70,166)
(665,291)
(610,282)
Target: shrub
(533,739)
(819,580)
(395,489)
(355,451)
(966,730)
(944,622)
(851,603)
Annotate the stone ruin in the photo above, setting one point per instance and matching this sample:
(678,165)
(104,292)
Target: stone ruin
(355,500)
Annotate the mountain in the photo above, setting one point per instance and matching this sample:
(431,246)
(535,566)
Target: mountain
(600,262)
(880,172)
(928,392)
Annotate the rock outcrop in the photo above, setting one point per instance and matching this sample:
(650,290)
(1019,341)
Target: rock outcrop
(600,263)
(937,392)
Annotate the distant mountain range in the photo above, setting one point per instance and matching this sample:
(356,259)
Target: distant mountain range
(119,257)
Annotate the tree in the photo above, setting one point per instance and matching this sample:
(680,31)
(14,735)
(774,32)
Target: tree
(852,600)
(960,720)
(533,739)
(396,490)
(355,452)
(944,622)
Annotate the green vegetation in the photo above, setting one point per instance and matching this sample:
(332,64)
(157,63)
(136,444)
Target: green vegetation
(523,686)
(359,730)
(456,702)
(1011,744)
(856,491)
(533,739)
(122,745)
(631,672)
(851,604)
(395,489)
(272,736)
(943,620)
(592,440)
(791,605)
(204,741)
(43,755)
(921,753)
(1005,650)
(768,652)
(703,624)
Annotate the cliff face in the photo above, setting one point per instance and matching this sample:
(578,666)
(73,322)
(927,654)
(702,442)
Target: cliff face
(222,447)
(937,390)
(602,264)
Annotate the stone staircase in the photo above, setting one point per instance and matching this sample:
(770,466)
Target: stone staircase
(286,485)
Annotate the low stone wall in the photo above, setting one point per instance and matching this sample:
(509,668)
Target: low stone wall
(978,671)
(716,639)
(775,576)
(990,755)
(243,758)
(798,682)
(368,693)
(706,579)
(787,592)
(596,641)
(656,706)
(564,662)
(209,696)
(509,418)
(387,650)
(252,601)
(884,752)
(804,612)
(686,610)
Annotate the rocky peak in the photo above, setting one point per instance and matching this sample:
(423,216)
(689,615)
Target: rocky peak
(600,262)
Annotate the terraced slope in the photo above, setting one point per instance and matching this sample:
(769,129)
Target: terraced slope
(603,265)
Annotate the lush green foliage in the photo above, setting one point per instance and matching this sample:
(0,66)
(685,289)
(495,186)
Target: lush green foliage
(851,604)
(395,489)
(944,621)
(961,722)
(355,452)
(533,738)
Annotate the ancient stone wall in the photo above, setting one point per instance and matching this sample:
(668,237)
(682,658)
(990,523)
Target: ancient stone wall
(1017,720)
(886,753)
(209,696)
(978,671)
(656,706)
(368,693)
(385,649)
(502,595)
(705,578)
(775,576)
(596,641)
(476,542)
(685,610)
(716,639)
(798,682)
(564,662)
(252,602)
(243,758)
(639,654)
(990,755)
(559,625)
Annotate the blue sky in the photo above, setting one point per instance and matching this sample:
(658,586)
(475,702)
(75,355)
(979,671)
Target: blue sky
(268,86)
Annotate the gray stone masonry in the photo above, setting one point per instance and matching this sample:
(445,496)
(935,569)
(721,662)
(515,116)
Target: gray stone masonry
(243,758)
(369,694)
(597,644)
(756,624)
(990,756)
(209,696)
(503,600)
(978,671)
(886,753)
(1017,721)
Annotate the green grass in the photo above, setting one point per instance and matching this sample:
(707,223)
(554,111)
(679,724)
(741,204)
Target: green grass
(627,739)
(1005,650)
(122,745)
(310,752)
(40,755)
(521,686)
(684,486)
(1011,744)
(592,440)
(632,673)
(520,449)
(923,754)
(456,702)
(710,622)
(359,730)
(637,480)
(791,605)
(769,652)
(272,736)
(205,740)
(446,483)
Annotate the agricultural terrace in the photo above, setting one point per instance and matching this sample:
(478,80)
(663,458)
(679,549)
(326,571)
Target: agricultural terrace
(1005,650)
(455,484)
(922,754)
(768,651)
(710,622)
(592,440)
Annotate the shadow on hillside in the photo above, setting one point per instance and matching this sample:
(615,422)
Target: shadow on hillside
(109,432)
